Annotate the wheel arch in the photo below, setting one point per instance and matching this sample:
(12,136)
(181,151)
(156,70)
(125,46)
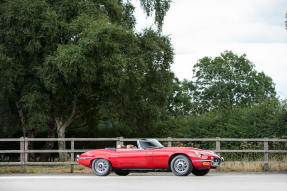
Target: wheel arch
(95,158)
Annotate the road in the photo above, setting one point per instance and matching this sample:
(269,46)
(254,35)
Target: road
(145,182)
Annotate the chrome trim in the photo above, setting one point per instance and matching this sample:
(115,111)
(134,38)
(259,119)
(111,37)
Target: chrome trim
(139,145)
(84,158)
(201,161)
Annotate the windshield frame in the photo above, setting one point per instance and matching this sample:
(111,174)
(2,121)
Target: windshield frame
(156,143)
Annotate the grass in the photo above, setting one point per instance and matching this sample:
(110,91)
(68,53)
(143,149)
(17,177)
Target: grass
(241,167)
(44,169)
(225,167)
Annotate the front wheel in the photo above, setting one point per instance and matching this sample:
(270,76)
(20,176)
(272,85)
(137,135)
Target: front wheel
(181,165)
(101,167)
(200,172)
(121,172)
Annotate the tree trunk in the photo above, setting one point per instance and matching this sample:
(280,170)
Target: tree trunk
(31,134)
(61,128)
(49,144)
(21,117)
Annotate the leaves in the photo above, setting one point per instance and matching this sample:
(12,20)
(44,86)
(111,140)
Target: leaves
(60,53)
(157,7)
(230,81)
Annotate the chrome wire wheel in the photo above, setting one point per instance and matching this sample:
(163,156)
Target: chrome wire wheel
(181,165)
(101,167)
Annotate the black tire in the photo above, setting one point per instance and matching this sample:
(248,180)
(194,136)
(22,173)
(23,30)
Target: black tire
(200,172)
(121,172)
(181,165)
(101,167)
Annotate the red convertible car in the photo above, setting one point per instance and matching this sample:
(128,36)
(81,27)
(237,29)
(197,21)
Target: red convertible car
(150,155)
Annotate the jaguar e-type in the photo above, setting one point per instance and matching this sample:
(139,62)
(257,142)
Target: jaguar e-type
(150,155)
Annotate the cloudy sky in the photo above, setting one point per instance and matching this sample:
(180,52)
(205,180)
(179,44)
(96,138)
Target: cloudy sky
(199,28)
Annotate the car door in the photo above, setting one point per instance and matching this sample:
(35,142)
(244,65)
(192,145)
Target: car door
(133,158)
(160,158)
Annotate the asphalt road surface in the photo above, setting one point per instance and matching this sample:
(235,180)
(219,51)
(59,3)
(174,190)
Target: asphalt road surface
(145,182)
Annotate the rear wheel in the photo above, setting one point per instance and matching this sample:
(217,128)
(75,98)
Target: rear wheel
(101,167)
(121,172)
(181,165)
(200,172)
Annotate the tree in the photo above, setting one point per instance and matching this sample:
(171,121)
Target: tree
(27,30)
(148,85)
(181,100)
(63,60)
(230,81)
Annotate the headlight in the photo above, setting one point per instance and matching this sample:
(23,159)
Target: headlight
(197,153)
(200,154)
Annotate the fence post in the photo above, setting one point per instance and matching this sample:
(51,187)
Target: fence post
(217,148)
(217,145)
(22,154)
(266,155)
(169,142)
(25,150)
(72,155)
(117,142)
(120,141)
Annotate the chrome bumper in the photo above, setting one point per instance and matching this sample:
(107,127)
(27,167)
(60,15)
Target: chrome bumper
(215,162)
(78,157)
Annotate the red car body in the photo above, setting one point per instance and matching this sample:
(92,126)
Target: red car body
(154,158)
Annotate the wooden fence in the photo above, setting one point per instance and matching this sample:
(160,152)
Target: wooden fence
(24,151)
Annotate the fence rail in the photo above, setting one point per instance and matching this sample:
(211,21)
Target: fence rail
(24,151)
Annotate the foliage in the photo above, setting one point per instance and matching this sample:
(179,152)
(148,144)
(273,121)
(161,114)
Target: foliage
(158,7)
(80,64)
(27,30)
(69,60)
(147,86)
(181,100)
(230,81)
(267,119)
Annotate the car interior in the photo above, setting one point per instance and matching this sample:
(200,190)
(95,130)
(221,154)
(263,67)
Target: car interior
(141,144)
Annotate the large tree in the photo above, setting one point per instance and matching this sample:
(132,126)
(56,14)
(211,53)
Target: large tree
(28,32)
(62,60)
(229,81)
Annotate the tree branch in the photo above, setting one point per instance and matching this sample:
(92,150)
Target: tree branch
(84,113)
(71,118)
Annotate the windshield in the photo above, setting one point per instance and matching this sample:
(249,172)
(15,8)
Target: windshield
(149,144)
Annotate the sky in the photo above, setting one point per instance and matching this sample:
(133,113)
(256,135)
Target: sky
(200,28)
